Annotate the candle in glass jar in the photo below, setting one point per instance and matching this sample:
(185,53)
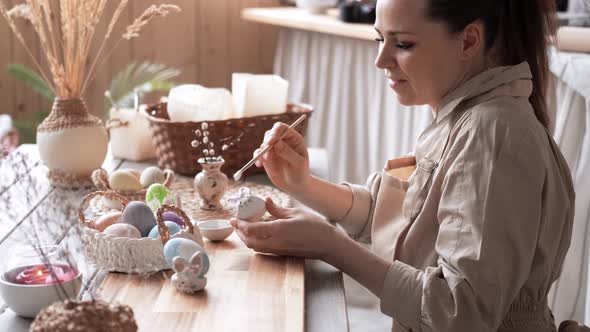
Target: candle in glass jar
(43,274)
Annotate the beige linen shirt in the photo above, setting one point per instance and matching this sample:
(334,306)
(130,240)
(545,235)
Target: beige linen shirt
(478,222)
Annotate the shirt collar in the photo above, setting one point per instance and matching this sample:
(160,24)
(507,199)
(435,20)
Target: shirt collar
(508,81)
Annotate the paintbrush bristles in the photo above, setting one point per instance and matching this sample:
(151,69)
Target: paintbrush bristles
(238,175)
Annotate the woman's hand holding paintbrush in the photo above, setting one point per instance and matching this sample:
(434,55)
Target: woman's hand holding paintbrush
(284,156)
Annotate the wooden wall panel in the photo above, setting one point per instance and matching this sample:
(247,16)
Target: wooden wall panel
(268,40)
(215,43)
(207,41)
(6,83)
(26,102)
(94,97)
(245,39)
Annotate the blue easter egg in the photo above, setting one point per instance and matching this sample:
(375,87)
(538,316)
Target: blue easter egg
(172,227)
(171,216)
(184,248)
(140,215)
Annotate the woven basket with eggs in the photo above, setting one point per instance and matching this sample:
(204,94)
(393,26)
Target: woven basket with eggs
(130,183)
(132,241)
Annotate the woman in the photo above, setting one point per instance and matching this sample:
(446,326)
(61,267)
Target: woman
(469,233)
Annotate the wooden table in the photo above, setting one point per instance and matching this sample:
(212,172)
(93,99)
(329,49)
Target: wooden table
(246,291)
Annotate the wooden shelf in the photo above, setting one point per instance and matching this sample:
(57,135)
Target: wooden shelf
(296,18)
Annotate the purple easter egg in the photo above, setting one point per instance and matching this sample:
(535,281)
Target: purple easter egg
(171,216)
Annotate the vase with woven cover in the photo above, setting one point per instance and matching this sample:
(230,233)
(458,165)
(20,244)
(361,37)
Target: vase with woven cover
(211,183)
(72,143)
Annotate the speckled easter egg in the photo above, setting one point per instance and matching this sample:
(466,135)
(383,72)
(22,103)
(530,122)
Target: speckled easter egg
(171,216)
(185,249)
(251,209)
(124,181)
(139,215)
(123,230)
(151,175)
(157,192)
(107,220)
(172,227)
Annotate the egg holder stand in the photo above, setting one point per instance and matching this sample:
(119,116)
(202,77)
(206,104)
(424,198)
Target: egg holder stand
(141,256)
(100,178)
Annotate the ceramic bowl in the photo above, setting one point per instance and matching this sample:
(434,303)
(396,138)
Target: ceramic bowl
(216,230)
(316,6)
(28,300)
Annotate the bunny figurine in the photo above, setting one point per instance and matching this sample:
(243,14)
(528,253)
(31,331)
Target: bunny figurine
(187,278)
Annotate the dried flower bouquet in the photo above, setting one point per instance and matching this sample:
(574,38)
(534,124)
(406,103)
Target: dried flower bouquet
(66,30)
(71,141)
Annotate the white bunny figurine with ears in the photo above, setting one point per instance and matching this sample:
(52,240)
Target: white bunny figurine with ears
(187,278)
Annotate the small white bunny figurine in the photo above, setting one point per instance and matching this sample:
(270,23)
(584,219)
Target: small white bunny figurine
(187,277)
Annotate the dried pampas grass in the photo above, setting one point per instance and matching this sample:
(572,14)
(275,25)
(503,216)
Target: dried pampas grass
(66,30)
(21,11)
(149,14)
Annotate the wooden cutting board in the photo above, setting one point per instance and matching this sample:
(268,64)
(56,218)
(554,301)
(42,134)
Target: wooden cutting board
(245,292)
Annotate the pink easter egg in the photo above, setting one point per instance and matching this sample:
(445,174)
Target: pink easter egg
(107,220)
(123,230)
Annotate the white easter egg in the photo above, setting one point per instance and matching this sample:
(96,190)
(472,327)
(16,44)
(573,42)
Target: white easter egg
(123,230)
(122,180)
(251,209)
(151,175)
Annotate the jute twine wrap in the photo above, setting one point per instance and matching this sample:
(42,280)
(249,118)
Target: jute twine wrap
(100,178)
(88,198)
(95,315)
(163,229)
(63,179)
(68,114)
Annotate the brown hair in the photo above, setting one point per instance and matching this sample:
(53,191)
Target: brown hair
(517,30)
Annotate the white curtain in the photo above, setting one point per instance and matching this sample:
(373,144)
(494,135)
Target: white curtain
(570,100)
(360,123)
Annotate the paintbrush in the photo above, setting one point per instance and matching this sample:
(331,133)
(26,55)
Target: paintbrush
(238,174)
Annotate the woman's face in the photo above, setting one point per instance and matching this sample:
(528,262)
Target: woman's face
(421,58)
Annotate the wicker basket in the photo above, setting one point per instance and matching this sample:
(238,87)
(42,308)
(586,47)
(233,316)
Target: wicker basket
(173,139)
(100,178)
(121,254)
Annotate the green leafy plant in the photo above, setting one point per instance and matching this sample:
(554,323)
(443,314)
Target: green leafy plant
(142,77)
(32,79)
(28,128)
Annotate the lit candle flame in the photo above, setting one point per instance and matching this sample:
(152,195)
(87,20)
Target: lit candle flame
(39,273)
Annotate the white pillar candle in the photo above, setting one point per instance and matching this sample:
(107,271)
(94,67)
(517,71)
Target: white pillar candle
(192,102)
(258,94)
